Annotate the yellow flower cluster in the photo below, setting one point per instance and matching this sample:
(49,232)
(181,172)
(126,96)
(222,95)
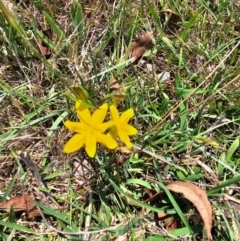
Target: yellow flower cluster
(92,129)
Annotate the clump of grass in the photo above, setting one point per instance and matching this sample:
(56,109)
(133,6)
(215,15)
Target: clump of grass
(188,127)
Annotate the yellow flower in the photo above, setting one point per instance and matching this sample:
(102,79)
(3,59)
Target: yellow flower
(118,96)
(121,127)
(81,97)
(80,93)
(90,130)
(80,105)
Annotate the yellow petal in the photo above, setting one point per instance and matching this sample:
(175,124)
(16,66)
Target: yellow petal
(74,144)
(107,141)
(125,138)
(91,145)
(114,113)
(130,130)
(127,115)
(75,126)
(103,126)
(80,106)
(100,114)
(84,116)
(114,132)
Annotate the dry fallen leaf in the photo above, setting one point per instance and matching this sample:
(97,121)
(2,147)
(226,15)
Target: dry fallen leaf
(199,198)
(191,192)
(118,91)
(21,203)
(140,45)
(169,222)
(150,197)
(114,85)
(171,21)
(45,50)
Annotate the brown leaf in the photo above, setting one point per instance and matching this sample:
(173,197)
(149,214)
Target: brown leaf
(21,203)
(162,215)
(45,50)
(169,222)
(170,20)
(140,45)
(114,85)
(199,198)
(152,197)
(34,213)
(118,91)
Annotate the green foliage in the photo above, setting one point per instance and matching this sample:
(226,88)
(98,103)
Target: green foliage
(77,17)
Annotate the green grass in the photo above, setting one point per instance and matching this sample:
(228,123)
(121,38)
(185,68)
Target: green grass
(188,129)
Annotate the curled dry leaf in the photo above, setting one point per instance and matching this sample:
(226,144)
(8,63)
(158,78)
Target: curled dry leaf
(114,85)
(118,91)
(152,197)
(169,222)
(140,45)
(170,20)
(45,50)
(199,198)
(21,203)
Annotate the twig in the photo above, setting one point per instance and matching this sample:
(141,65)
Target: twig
(25,158)
(233,199)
